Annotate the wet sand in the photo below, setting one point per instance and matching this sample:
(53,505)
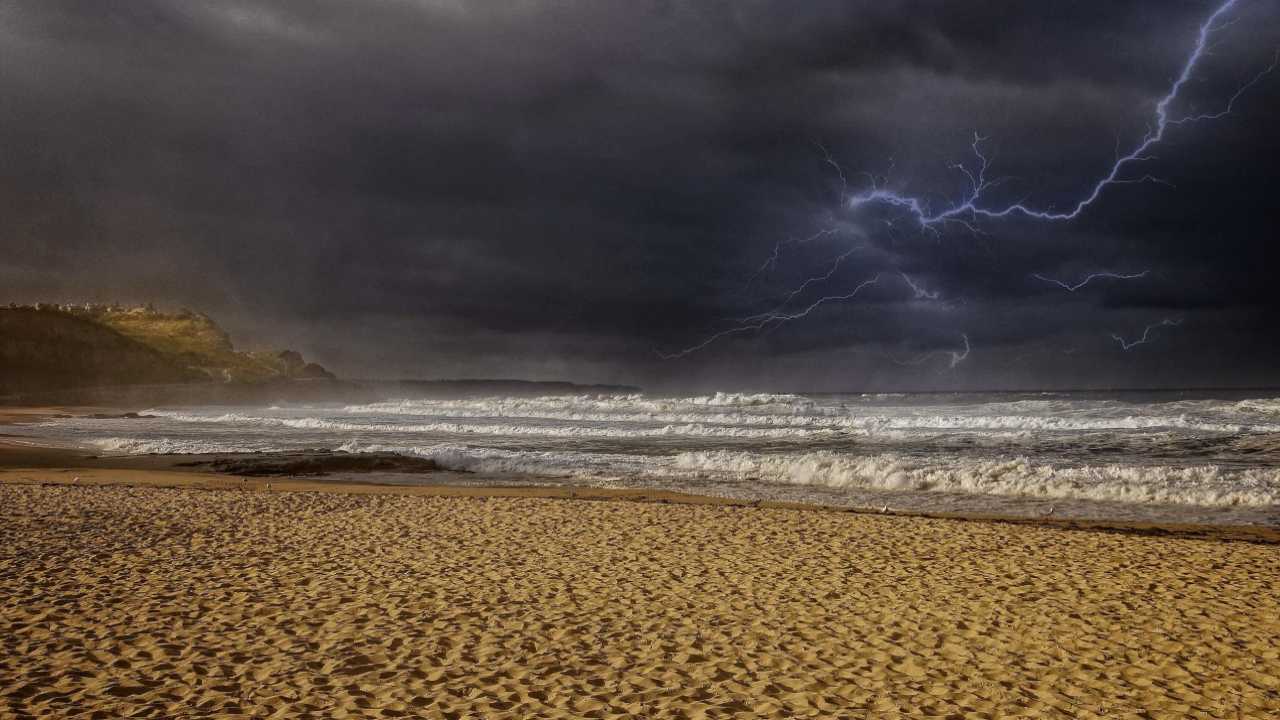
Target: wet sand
(156,593)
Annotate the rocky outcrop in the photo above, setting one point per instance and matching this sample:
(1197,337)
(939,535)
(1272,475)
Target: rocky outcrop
(45,349)
(49,347)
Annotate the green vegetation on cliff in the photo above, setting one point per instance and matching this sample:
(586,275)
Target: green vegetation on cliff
(46,347)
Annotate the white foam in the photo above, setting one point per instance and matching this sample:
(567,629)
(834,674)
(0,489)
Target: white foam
(176,446)
(690,428)
(1026,416)
(1194,485)
(1268,406)
(1207,485)
(1190,452)
(602,407)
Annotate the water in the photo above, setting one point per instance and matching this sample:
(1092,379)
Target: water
(1154,456)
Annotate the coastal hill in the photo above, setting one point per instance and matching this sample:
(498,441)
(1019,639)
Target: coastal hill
(138,356)
(52,347)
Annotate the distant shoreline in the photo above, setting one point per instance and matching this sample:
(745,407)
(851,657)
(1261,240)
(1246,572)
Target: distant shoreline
(297,390)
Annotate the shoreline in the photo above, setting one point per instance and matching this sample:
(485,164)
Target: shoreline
(29,461)
(121,474)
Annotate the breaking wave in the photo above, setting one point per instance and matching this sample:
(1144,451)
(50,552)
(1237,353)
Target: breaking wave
(687,427)
(174,446)
(1206,485)
(1153,452)
(1192,485)
(669,418)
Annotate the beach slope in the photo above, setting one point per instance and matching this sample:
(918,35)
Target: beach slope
(179,602)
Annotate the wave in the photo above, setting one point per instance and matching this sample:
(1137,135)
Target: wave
(690,429)
(721,399)
(1020,418)
(177,446)
(1195,485)
(602,405)
(1202,485)
(1270,406)
(1187,452)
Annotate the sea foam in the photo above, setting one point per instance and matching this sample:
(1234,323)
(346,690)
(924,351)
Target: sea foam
(1162,451)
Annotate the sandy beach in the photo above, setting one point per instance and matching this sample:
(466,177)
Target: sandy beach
(141,595)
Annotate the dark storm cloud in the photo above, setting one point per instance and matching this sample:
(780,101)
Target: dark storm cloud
(538,188)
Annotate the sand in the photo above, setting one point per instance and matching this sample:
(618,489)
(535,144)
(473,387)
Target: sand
(143,601)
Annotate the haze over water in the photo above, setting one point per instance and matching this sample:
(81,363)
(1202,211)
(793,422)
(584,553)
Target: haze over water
(1170,455)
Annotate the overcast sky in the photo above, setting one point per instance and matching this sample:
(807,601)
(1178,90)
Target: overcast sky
(571,190)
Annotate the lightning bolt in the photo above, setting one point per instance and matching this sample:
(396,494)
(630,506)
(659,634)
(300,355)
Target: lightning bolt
(959,214)
(844,182)
(771,263)
(1127,345)
(959,357)
(970,208)
(1231,103)
(835,265)
(918,290)
(778,315)
(1090,278)
(955,357)
(774,318)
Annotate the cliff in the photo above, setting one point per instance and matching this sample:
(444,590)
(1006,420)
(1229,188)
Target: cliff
(50,347)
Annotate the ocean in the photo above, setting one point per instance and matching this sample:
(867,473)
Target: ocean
(1157,456)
